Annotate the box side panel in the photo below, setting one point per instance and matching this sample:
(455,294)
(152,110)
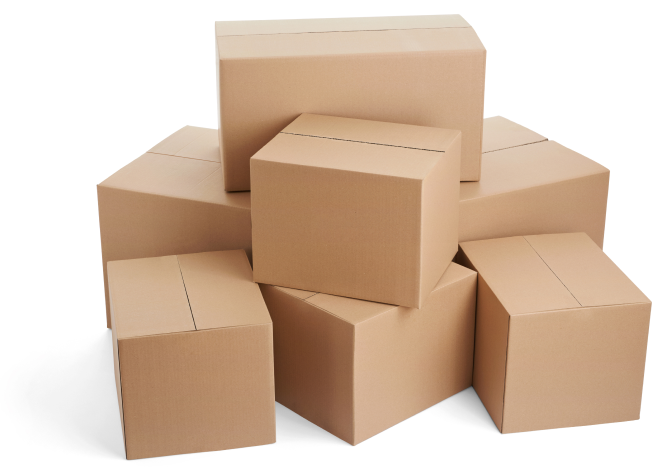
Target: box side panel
(258,98)
(439,219)
(313,362)
(575,205)
(575,367)
(492,323)
(117,369)
(328,231)
(136,225)
(198,391)
(407,360)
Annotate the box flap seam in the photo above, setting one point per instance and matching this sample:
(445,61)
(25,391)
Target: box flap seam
(340,31)
(186,291)
(364,142)
(185,157)
(515,146)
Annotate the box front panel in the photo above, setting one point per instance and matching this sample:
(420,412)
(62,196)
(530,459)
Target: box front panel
(337,232)
(136,225)
(576,205)
(198,391)
(575,367)
(260,97)
(407,360)
(313,362)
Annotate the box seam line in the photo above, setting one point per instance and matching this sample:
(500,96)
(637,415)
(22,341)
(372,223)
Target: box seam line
(340,31)
(551,269)
(364,142)
(165,334)
(167,196)
(187,157)
(514,146)
(190,307)
(199,134)
(539,312)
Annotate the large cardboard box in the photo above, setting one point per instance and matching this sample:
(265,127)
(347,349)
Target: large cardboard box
(356,368)
(419,70)
(356,208)
(530,185)
(561,333)
(171,201)
(192,354)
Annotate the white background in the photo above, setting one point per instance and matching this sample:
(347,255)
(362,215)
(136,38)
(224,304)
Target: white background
(87,87)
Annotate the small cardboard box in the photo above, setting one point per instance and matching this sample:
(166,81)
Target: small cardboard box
(530,185)
(356,368)
(418,70)
(192,354)
(356,208)
(561,333)
(171,201)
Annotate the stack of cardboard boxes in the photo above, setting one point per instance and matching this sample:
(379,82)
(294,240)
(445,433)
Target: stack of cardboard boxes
(403,249)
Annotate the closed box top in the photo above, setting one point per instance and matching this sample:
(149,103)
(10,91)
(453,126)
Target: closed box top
(550,272)
(365,146)
(200,291)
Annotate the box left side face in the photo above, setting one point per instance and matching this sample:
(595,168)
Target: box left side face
(198,391)
(337,232)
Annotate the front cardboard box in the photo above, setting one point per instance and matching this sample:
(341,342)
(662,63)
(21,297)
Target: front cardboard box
(356,208)
(529,186)
(420,70)
(356,368)
(171,201)
(192,354)
(561,333)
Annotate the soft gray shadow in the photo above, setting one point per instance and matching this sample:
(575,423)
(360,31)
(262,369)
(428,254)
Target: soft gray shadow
(74,394)
(291,427)
(466,408)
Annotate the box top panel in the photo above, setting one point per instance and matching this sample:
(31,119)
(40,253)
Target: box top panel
(523,167)
(147,297)
(329,144)
(323,25)
(500,133)
(154,296)
(191,142)
(221,290)
(381,42)
(550,272)
(355,311)
(178,177)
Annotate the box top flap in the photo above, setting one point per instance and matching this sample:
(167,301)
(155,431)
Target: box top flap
(590,275)
(523,167)
(298,293)
(500,133)
(549,272)
(382,42)
(178,177)
(355,311)
(147,297)
(365,155)
(191,142)
(221,290)
(373,132)
(322,25)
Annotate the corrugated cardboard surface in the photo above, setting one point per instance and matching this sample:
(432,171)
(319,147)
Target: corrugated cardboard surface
(561,333)
(171,201)
(532,186)
(363,219)
(427,71)
(356,368)
(193,354)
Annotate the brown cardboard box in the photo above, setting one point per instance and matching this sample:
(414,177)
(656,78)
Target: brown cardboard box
(561,333)
(530,185)
(192,354)
(419,70)
(356,368)
(171,201)
(356,208)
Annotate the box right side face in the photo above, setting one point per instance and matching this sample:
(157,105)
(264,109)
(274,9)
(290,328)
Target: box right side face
(258,97)
(351,234)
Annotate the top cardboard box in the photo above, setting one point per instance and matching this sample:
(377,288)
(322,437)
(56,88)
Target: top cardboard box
(422,70)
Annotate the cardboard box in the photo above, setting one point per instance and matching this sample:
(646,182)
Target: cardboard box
(418,70)
(192,354)
(356,368)
(561,333)
(530,185)
(171,201)
(356,208)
